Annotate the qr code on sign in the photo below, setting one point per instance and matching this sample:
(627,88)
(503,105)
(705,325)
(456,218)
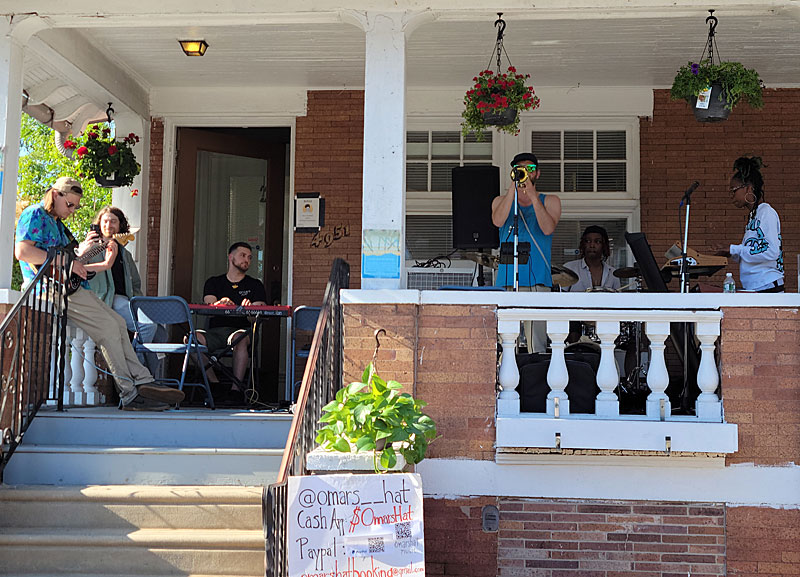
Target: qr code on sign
(402,530)
(375,544)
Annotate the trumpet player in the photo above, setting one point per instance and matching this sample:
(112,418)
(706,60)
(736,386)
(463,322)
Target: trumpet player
(538,216)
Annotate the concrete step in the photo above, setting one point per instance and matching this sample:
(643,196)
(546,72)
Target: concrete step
(131,530)
(103,465)
(130,506)
(182,428)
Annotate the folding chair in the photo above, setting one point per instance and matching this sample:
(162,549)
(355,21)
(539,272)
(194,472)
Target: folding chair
(171,310)
(303,319)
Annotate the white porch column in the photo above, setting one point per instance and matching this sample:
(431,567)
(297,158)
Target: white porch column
(133,199)
(384,194)
(10,119)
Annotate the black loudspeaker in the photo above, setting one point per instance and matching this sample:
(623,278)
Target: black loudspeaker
(474,188)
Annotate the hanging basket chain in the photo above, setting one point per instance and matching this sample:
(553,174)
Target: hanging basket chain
(711,43)
(499,49)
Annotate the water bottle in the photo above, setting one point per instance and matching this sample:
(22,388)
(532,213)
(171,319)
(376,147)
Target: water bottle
(728,286)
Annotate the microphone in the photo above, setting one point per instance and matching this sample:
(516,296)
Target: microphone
(688,194)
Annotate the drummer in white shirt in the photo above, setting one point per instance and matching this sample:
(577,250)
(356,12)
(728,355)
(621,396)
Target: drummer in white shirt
(592,269)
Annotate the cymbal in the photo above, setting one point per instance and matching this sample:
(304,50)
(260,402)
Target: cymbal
(562,276)
(627,272)
(481,258)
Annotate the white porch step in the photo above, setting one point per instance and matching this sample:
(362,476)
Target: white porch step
(104,446)
(182,428)
(131,530)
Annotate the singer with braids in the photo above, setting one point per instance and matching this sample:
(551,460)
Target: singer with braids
(760,254)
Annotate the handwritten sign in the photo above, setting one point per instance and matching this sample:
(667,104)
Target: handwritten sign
(380,253)
(356,526)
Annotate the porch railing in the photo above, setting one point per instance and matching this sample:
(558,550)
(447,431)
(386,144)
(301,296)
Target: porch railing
(321,379)
(656,323)
(33,355)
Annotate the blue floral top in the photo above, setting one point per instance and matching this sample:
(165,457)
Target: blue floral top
(46,231)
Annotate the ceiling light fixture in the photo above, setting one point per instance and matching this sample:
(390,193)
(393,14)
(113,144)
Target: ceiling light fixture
(193,47)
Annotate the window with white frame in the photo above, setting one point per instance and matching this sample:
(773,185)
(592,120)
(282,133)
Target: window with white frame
(431,156)
(590,164)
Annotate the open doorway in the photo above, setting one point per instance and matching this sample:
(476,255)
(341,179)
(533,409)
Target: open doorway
(231,187)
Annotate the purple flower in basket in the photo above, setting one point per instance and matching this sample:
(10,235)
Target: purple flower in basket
(695,69)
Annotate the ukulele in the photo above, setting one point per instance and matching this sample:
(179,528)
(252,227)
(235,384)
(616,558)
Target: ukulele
(74,281)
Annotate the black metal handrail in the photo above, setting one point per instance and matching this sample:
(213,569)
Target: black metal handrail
(33,335)
(321,380)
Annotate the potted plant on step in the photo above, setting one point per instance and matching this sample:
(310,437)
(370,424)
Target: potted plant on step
(372,415)
(712,87)
(110,161)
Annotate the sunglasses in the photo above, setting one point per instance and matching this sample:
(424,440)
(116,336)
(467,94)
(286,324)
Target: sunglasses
(69,204)
(528,167)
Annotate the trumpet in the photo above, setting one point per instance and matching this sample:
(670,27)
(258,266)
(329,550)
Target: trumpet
(519,174)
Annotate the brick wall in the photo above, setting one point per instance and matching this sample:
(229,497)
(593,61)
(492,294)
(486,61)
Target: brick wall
(676,149)
(760,360)
(455,544)
(763,541)
(153,216)
(329,144)
(550,538)
(445,355)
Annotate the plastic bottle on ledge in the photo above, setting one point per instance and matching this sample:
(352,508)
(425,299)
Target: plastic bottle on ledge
(728,285)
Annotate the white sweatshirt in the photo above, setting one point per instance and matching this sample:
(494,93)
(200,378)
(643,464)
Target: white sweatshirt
(760,256)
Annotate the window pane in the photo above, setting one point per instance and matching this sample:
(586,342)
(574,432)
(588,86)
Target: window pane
(442,176)
(550,177)
(478,150)
(428,236)
(472,137)
(417,145)
(416,177)
(446,145)
(611,177)
(578,177)
(611,145)
(546,145)
(578,145)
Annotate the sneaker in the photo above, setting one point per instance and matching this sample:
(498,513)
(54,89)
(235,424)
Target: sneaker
(142,404)
(161,393)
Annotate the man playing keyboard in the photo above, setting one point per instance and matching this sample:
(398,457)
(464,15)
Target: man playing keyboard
(234,288)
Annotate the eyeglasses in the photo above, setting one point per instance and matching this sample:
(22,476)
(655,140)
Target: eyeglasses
(528,167)
(69,204)
(735,188)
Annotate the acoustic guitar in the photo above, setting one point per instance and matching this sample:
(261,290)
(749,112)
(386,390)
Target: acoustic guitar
(74,281)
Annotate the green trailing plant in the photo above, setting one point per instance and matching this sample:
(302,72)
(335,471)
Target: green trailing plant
(373,415)
(737,82)
(98,155)
(493,93)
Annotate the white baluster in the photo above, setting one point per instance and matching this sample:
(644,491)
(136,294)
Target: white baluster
(657,374)
(708,406)
(90,373)
(508,375)
(52,396)
(607,403)
(557,376)
(76,393)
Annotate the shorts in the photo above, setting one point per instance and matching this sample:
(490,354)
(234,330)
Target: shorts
(220,337)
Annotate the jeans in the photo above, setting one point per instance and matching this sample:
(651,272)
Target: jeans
(147,332)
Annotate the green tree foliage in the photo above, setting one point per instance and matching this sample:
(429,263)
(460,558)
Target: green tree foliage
(40,164)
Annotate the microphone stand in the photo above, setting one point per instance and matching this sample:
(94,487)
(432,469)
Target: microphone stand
(515,228)
(684,265)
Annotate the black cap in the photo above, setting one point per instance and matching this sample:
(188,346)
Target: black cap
(525,157)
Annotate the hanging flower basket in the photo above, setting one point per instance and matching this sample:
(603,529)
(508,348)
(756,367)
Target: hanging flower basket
(108,160)
(730,82)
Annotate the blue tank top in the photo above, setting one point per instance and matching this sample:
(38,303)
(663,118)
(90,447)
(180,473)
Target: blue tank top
(536,270)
